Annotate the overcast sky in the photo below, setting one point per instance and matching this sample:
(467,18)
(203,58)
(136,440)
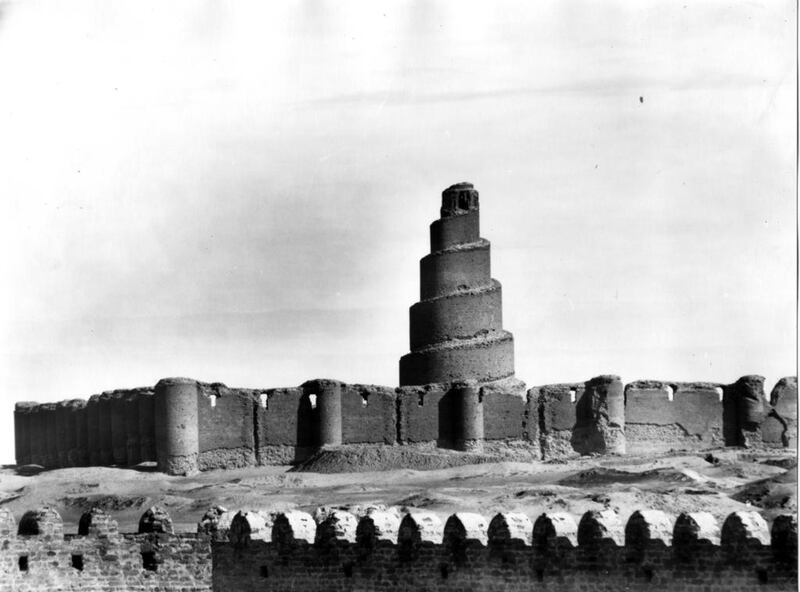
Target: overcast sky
(241,191)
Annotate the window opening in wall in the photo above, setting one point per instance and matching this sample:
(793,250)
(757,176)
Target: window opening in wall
(762,576)
(670,392)
(264,397)
(347,568)
(444,570)
(263,571)
(77,562)
(213,400)
(421,400)
(648,574)
(23,563)
(719,392)
(149,561)
(364,399)
(313,400)
(572,394)
(539,575)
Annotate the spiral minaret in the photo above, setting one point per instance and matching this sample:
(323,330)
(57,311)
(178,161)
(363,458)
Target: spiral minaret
(457,326)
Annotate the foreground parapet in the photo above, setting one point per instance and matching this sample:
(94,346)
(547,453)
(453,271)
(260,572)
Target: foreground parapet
(389,549)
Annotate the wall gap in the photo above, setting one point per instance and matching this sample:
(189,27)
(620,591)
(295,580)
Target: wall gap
(77,562)
(257,433)
(149,561)
(23,563)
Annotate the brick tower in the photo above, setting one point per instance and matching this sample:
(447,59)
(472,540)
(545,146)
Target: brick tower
(457,326)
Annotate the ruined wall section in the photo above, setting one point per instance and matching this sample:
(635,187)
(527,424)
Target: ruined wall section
(661,416)
(36,555)
(779,428)
(553,406)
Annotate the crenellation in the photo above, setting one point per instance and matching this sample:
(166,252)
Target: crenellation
(420,553)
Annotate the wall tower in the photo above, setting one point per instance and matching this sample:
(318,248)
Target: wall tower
(457,326)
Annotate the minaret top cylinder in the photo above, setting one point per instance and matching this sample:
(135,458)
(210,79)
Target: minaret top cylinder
(459,199)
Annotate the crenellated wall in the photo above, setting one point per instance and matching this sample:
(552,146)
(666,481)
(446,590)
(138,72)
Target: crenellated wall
(189,426)
(418,550)
(403,550)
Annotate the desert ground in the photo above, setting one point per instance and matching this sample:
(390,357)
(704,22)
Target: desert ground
(719,481)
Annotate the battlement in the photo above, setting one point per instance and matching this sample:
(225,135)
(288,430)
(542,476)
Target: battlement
(401,549)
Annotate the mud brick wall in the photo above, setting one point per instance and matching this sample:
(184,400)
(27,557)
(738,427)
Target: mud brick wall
(286,426)
(691,419)
(369,414)
(225,427)
(556,406)
(780,426)
(422,414)
(244,427)
(503,412)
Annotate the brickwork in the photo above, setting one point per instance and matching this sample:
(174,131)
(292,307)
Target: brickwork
(422,551)
(36,555)
(400,550)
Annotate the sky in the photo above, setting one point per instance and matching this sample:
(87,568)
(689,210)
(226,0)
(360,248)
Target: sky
(241,191)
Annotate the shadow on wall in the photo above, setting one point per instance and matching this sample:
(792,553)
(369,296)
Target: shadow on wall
(307,425)
(447,418)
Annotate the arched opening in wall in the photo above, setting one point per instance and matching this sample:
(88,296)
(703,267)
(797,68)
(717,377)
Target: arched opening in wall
(444,570)
(719,392)
(670,392)
(648,574)
(28,525)
(421,399)
(762,576)
(364,399)
(264,400)
(539,575)
(149,561)
(572,395)
(22,563)
(312,399)
(263,571)
(212,399)
(77,562)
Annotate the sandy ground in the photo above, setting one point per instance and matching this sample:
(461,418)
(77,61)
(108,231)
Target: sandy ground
(719,481)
